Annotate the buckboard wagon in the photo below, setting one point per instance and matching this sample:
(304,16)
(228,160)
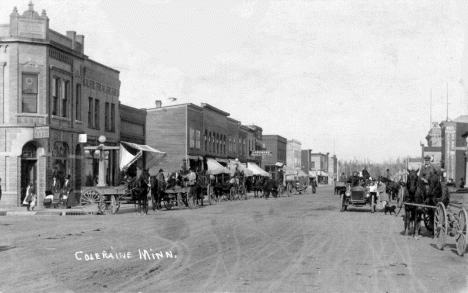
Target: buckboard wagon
(103,200)
(443,227)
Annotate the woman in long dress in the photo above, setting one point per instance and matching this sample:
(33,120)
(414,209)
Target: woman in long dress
(382,193)
(30,197)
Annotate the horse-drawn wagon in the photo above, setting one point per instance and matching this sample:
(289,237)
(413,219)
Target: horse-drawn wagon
(104,199)
(431,204)
(296,183)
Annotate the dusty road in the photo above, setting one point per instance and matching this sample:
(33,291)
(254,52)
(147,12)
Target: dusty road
(297,244)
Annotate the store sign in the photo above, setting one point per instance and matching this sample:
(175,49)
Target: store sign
(41,132)
(261,153)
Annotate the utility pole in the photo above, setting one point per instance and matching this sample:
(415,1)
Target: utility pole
(430,113)
(447,102)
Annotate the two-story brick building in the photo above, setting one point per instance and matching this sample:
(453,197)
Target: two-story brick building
(50,93)
(277,145)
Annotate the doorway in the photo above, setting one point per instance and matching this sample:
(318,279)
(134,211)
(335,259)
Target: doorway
(28,168)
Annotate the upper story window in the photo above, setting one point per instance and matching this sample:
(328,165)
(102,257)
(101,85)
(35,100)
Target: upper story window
(78,102)
(106,116)
(96,113)
(56,89)
(90,112)
(29,93)
(112,117)
(206,140)
(65,97)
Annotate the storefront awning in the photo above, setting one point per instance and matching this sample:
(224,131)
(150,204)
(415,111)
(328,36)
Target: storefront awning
(215,168)
(195,158)
(317,173)
(221,160)
(232,167)
(302,174)
(153,156)
(256,169)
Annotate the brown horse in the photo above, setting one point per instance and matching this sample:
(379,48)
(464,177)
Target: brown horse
(418,194)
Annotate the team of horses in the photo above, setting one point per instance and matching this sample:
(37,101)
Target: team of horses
(428,193)
(149,192)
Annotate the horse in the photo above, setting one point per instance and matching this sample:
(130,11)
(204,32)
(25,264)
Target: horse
(140,193)
(258,186)
(418,194)
(404,197)
(392,187)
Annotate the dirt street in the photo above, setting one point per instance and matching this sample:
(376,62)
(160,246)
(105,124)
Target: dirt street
(301,243)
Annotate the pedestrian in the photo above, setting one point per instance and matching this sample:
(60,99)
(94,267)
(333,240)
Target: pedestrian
(192,181)
(55,188)
(29,199)
(0,188)
(382,193)
(389,175)
(462,183)
(314,185)
(343,177)
(67,189)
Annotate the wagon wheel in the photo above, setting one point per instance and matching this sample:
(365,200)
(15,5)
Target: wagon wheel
(428,217)
(90,200)
(113,205)
(288,189)
(242,193)
(461,231)
(191,199)
(184,198)
(343,203)
(232,193)
(440,225)
(117,203)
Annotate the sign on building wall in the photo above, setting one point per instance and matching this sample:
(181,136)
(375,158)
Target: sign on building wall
(41,132)
(449,154)
(261,153)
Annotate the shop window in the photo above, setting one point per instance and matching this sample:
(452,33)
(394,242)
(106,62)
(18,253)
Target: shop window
(29,93)
(60,159)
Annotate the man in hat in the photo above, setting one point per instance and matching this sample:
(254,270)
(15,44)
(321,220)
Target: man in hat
(427,169)
(184,170)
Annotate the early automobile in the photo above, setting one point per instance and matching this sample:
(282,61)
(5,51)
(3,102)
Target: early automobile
(358,196)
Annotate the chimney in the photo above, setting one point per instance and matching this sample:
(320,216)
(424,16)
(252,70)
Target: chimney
(158,103)
(72,36)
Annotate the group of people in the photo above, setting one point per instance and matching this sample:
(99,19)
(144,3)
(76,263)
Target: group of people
(56,190)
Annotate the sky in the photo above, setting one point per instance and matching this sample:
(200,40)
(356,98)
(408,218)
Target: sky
(349,77)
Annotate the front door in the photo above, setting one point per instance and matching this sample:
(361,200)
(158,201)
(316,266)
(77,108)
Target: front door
(28,174)
(28,169)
